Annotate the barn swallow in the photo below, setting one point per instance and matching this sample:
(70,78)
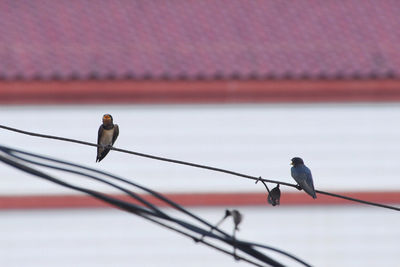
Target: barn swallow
(237,218)
(302,175)
(274,196)
(108,133)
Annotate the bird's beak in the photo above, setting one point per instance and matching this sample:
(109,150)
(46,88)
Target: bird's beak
(291,163)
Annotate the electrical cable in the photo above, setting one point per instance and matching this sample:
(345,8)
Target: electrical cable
(197,166)
(150,211)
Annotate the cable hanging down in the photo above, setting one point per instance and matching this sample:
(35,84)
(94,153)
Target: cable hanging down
(198,166)
(199,232)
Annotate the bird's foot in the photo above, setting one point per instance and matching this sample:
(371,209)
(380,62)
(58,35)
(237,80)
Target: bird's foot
(259,179)
(298,187)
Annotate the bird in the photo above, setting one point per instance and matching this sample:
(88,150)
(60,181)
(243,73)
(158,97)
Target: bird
(108,133)
(237,218)
(274,196)
(302,175)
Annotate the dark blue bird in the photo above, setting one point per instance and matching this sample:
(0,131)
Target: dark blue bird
(302,175)
(274,196)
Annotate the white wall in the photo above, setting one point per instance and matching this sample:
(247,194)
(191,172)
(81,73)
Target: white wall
(347,146)
(323,236)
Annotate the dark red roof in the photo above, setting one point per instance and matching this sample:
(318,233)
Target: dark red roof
(210,39)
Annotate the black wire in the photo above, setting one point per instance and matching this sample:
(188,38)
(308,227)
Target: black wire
(279,251)
(10,151)
(244,246)
(201,241)
(197,166)
(358,200)
(147,156)
(156,194)
(115,202)
(128,192)
(98,195)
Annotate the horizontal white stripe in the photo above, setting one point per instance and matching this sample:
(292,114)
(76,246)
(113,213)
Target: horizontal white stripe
(322,236)
(347,146)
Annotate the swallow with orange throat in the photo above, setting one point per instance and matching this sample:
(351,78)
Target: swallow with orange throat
(108,133)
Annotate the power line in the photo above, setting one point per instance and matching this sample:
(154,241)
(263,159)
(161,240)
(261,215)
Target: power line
(17,158)
(145,155)
(196,166)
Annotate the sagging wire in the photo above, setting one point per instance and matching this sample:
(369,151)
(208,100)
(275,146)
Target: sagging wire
(17,158)
(198,166)
(15,153)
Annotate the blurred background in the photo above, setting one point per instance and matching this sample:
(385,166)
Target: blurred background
(240,85)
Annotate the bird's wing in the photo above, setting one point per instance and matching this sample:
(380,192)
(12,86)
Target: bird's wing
(308,184)
(100,150)
(309,178)
(116,133)
(302,175)
(99,134)
(299,175)
(276,192)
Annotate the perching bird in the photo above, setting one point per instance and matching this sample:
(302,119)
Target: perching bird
(302,175)
(237,218)
(274,196)
(108,133)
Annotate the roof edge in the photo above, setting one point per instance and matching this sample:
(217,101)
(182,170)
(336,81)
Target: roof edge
(211,91)
(218,75)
